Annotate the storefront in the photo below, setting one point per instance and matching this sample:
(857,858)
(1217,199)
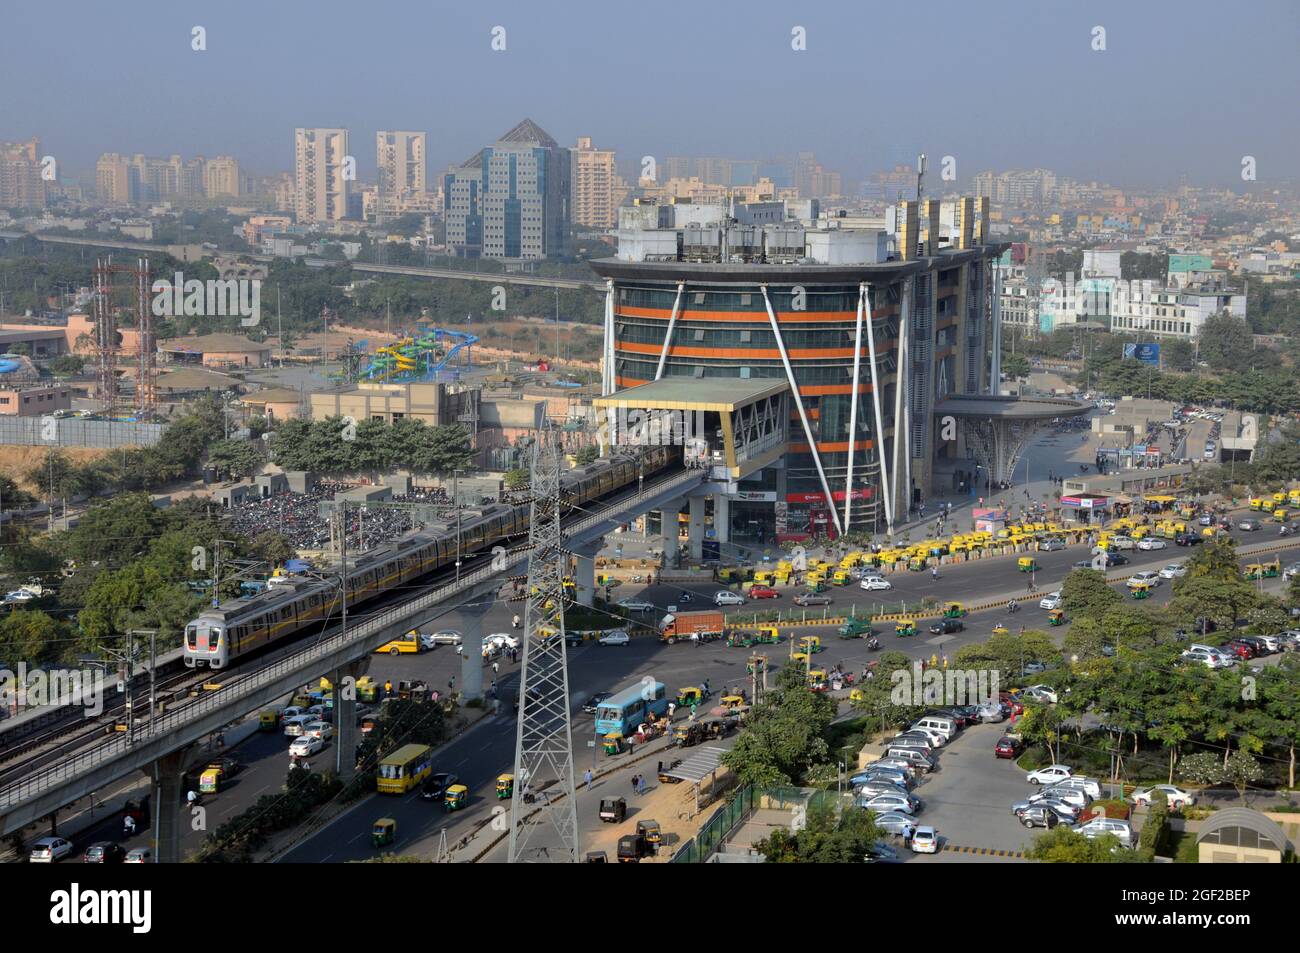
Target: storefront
(1090,506)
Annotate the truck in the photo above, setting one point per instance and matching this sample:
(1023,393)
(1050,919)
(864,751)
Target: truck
(707,624)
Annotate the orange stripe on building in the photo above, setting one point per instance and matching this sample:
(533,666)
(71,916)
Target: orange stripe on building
(840,446)
(768,354)
(740,317)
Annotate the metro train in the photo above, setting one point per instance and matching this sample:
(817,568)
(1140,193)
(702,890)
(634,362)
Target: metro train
(235,628)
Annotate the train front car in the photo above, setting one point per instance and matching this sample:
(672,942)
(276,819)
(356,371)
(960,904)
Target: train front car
(206,644)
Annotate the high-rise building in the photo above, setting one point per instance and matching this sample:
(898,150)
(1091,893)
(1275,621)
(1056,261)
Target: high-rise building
(117,181)
(813,181)
(400,157)
(21,185)
(320,188)
(845,338)
(511,199)
(221,177)
(593,186)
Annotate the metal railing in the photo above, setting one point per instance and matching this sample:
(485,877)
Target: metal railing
(175,722)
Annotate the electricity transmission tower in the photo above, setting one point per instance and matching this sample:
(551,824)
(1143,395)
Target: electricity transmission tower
(544,735)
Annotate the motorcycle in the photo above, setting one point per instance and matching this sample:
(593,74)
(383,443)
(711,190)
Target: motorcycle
(873,645)
(1013,607)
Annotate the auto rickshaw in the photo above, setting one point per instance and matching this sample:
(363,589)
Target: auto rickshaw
(817,679)
(457,796)
(811,643)
(739,638)
(841,577)
(1026,564)
(1210,532)
(1263,570)
(613,743)
(268,720)
(767,635)
(799,658)
(210,781)
(905,627)
(613,810)
(916,564)
(689,696)
(733,702)
(367,689)
(1056,617)
(384,832)
(758,662)
(1140,590)
(596,857)
(1256,503)
(1281,515)
(955,610)
(505,787)
(688,733)
(650,831)
(1000,629)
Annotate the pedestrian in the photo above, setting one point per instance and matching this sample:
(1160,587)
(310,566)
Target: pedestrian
(934,573)
(635,779)
(693,710)
(496,667)
(494,688)
(640,784)
(451,684)
(388,687)
(945,663)
(934,660)
(672,707)
(587,776)
(515,621)
(128,825)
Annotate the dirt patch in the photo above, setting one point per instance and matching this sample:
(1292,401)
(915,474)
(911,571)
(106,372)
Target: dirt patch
(16,461)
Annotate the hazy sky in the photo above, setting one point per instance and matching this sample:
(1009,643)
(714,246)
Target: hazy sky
(1183,88)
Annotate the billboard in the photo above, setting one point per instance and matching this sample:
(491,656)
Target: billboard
(1145,353)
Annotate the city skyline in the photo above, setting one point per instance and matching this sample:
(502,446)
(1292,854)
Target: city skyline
(1052,100)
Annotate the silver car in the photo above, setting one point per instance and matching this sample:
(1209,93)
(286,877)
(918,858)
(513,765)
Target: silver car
(870,789)
(895,822)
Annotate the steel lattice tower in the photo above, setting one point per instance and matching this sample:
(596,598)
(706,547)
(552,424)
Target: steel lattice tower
(546,830)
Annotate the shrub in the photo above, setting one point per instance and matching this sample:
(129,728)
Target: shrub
(1155,830)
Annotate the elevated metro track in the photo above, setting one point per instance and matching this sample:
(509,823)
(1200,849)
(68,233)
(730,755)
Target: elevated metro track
(413,271)
(40,791)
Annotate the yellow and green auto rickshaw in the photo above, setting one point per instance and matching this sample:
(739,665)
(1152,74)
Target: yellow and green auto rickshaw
(505,787)
(691,695)
(1026,564)
(650,831)
(1056,617)
(1256,503)
(904,627)
(210,781)
(1140,590)
(758,662)
(916,564)
(384,832)
(268,720)
(613,743)
(367,689)
(955,610)
(456,798)
(740,638)
(810,643)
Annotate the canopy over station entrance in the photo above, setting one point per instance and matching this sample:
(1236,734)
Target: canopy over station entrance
(997,429)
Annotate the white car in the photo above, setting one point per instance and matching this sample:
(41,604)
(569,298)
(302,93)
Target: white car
(297,725)
(1207,658)
(925,840)
(1147,576)
(991,712)
(1044,693)
(1075,797)
(1089,786)
(882,803)
(1051,601)
(19,595)
(636,605)
(617,637)
(1148,543)
(1173,571)
(502,640)
(1123,542)
(318,729)
(1099,826)
(725,597)
(445,637)
(49,849)
(1175,796)
(306,745)
(874,583)
(1050,774)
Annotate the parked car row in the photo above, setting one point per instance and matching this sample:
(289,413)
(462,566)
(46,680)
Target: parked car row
(1062,798)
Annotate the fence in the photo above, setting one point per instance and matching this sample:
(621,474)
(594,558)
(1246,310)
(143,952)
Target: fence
(716,828)
(77,432)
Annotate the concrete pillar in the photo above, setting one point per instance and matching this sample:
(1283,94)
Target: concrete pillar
(471,663)
(668,529)
(584,575)
(344,681)
(169,809)
(722,517)
(696,532)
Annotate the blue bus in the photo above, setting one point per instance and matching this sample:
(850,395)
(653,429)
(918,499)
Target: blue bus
(625,711)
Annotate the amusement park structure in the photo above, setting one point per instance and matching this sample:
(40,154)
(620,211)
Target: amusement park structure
(420,357)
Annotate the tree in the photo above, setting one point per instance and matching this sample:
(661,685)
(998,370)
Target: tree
(235,458)
(517,479)
(824,839)
(1222,601)
(785,733)
(1015,365)
(1063,846)
(11,497)
(1226,343)
(585,455)
(1279,461)
(30,636)
(1085,593)
(1239,769)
